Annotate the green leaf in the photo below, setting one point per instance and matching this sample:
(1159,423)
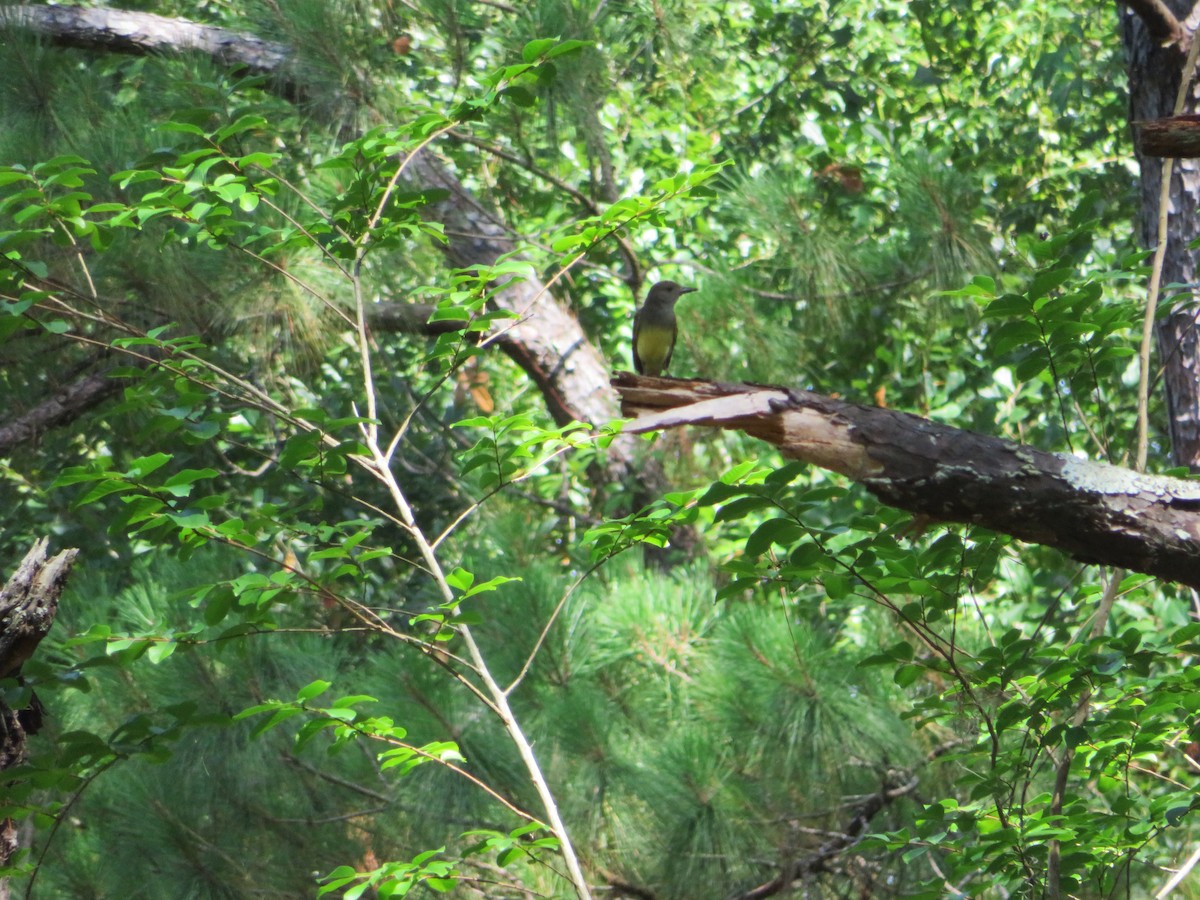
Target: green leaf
(520,96)
(313,689)
(490,585)
(103,489)
(158,651)
(837,585)
(180,483)
(564,47)
(1176,814)
(195,520)
(743,506)
(217,605)
(1047,280)
(460,579)
(535,49)
(144,465)
(780,532)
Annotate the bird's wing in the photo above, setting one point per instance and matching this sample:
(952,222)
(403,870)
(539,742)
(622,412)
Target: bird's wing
(637,360)
(670,351)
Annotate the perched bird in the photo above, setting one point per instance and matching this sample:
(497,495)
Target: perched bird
(654,328)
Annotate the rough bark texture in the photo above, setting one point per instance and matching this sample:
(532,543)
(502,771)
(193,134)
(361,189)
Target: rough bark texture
(1159,19)
(546,340)
(124,31)
(1177,136)
(1094,512)
(1154,76)
(67,404)
(28,603)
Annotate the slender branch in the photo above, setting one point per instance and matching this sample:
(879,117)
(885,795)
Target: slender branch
(1099,623)
(495,691)
(66,405)
(635,271)
(549,623)
(459,770)
(62,815)
(892,790)
(325,252)
(1179,875)
(371,428)
(346,783)
(378,465)
(1160,252)
(516,479)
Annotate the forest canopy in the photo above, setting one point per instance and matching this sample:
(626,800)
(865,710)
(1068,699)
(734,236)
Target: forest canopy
(310,319)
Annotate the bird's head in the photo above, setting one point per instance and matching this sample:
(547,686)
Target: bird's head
(665,293)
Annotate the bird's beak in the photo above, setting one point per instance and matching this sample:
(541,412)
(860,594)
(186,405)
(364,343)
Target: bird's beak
(689,290)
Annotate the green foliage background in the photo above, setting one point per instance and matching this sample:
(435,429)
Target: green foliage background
(896,202)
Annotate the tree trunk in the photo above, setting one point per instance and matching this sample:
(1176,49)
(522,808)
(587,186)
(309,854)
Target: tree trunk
(1154,75)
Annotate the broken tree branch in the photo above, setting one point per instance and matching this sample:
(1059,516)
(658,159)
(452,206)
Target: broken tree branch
(28,603)
(1094,512)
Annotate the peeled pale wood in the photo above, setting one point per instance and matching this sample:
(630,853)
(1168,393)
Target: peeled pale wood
(1094,512)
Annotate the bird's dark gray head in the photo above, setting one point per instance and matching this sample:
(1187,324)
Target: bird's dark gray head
(665,293)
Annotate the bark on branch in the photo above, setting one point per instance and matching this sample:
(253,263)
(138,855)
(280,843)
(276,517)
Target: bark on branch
(139,33)
(28,603)
(1162,24)
(1094,512)
(895,786)
(1154,79)
(66,405)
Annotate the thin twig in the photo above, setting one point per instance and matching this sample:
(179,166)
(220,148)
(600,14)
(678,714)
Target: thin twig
(370,429)
(516,479)
(495,692)
(378,465)
(635,275)
(1099,623)
(1179,875)
(550,622)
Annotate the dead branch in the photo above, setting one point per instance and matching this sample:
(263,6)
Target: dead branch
(1094,512)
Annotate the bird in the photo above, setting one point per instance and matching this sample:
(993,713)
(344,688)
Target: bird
(654,328)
